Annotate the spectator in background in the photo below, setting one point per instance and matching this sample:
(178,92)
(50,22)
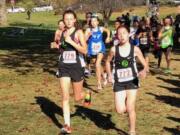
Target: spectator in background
(144,37)
(133,30)
(117,24)
(29,14)
(87,23)
(61,28)
(177,28)
(166,41)
(127,19)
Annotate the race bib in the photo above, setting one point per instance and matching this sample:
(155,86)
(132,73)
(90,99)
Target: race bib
(144,41)
(124,75)
(96,47)
(154,29)
(69,57)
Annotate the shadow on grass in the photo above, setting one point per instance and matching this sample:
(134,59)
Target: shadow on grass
(176,75)
(174,119)
(174,90)
(173,131)
(27,51)
(101,120)
(50,109)
(176,51)
(173,101)
(156,71)
(31,25)
(171,81)
(175,59)
(87,86)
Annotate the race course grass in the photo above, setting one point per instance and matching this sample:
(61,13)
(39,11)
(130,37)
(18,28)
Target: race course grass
(31,98)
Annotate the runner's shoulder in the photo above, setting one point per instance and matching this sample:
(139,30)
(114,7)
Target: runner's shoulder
(112,50)
(79,32)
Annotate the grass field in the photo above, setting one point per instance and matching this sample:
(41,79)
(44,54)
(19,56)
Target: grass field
(31,98)
(51,21)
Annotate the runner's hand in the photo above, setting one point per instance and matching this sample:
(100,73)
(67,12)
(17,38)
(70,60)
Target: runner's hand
(68,39)
(142,73)
(54,45)
(89,35)
(107,40)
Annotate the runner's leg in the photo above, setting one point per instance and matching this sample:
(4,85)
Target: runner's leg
(65,86)
(99,69)
(131,99)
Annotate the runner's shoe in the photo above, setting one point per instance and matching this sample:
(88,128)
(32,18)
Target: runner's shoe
(87,100)
(132,133)
(99,87)
(167,71)
(66,130)
(105,82)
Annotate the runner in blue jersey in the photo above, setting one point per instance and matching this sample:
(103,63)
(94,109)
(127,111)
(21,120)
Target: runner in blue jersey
(96,46)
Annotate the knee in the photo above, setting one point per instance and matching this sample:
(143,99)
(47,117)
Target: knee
(98,65)
(120,110)
(168,58)
(130,109)
(65,98)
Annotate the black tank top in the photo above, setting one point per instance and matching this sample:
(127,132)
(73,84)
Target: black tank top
(124,67)
(68,54)
(144,40)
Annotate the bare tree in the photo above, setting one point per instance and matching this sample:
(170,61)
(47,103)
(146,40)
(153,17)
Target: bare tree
(105,7)
(61,5)
(3,17)
(147,2)
(40,2)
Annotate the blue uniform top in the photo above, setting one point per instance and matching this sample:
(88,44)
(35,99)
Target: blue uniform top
(95,43)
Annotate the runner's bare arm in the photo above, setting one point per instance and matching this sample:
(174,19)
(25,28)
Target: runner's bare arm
(57,33)
(87,34)
(151,37)
(82,48)
(57,36)
(108,65)
(108,34)
(139,54)
(139,35)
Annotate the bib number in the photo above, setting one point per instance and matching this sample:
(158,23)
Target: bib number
(124,75)
(69,57)
(96,47)
(144,41)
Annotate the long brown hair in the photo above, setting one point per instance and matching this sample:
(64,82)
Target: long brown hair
(74,14)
